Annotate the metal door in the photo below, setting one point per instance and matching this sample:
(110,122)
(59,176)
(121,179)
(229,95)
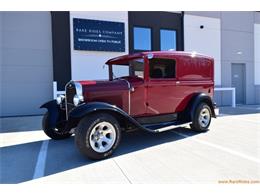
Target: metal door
(238,81)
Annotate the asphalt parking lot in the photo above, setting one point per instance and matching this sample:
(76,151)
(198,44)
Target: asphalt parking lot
(230,151)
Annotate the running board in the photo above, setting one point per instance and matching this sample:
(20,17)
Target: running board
(157,128)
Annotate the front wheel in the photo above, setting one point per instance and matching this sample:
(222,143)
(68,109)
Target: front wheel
(97,135)
(202,118)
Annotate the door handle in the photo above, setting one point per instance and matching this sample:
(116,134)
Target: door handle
(178,82)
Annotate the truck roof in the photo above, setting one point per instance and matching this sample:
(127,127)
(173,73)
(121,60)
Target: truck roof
(123,58)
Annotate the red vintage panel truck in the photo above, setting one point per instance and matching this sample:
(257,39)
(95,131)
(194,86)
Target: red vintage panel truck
(162,90)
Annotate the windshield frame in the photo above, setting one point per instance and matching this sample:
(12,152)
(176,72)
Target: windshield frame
(125,63)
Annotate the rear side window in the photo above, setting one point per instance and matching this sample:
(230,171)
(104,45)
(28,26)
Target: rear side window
(162,68)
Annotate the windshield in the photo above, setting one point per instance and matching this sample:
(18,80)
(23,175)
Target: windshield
(132,68)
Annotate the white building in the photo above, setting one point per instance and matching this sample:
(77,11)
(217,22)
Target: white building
(37,48)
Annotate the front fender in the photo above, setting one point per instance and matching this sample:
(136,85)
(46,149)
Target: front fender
(54,112)
(92,107)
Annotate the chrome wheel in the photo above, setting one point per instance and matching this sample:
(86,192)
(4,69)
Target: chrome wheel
(102,137)
(204,117)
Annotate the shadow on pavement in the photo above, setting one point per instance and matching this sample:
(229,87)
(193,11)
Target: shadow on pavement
(18,162)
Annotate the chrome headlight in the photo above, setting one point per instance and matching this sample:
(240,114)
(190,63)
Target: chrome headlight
(77,99)
(60,98)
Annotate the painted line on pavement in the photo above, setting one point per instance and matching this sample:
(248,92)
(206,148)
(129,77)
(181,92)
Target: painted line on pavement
(41,160)
(220,148)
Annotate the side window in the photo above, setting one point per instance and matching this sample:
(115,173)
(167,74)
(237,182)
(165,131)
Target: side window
(162,68)
(137,68)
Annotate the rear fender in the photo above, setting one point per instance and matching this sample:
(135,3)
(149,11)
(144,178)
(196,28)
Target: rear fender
(196,100)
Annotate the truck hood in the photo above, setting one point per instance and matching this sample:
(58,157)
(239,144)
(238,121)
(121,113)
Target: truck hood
(103,85)
(115,92)
(106,85)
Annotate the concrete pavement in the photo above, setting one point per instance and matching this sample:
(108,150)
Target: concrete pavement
(229,151)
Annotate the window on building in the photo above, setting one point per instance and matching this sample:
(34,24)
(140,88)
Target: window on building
(167,40)
(142,38)
(162,68)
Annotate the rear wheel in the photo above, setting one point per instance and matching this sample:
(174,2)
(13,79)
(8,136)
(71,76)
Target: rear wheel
(97,135)
(54,133)
(202,118)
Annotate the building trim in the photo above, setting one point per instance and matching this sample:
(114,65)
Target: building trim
(61,48)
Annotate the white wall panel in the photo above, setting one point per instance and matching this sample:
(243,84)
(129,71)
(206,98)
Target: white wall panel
(206,40)
(26,62)
(257,53)
(90,64)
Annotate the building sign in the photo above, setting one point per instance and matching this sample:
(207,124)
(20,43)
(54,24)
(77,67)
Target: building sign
(95,35)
